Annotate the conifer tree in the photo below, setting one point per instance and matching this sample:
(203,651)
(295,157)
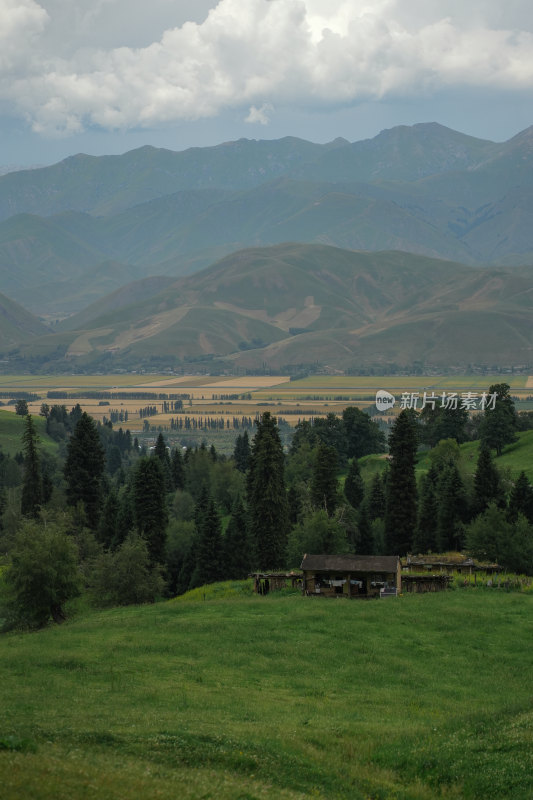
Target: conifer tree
(401,510)
(84,468)
(209,555)
(365,538)
(161,452)
(426,535)
(451,509)
(237,552)
(108,523)
(32,487)
(499,424)
(149,506)
(267,500)
(177,469)
(242,452)
(521,499)
(376,498)
(354,488)
(324,483)
(487,482)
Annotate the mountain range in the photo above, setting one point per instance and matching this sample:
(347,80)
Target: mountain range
(399,246)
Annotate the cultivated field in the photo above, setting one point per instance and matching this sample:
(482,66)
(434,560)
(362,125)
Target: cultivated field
(229,398)
(413,698)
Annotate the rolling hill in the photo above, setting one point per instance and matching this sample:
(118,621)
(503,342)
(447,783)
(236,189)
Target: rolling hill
(294,304)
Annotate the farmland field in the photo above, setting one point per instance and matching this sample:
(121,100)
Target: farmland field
(414,698)
(229,398)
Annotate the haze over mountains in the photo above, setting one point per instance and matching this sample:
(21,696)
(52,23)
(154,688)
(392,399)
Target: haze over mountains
(123,232)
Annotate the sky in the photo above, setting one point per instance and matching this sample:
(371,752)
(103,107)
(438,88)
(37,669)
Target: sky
(106,76)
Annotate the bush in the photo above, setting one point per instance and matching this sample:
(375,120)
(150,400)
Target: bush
(42,575)
(125,577)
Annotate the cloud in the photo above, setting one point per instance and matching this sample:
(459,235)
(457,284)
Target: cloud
(251,55)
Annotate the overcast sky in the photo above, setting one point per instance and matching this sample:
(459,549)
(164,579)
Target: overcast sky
(105,76)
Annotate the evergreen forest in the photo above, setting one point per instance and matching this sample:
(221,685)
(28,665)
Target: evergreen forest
(102,517)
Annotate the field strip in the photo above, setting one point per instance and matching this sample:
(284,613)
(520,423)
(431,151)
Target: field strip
(529,382)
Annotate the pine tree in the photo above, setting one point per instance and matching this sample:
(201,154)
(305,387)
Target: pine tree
(84,468)
(242,452)
(324,483)
(426,535)
(401,510)
(487,482)
(209,555)
(376,498)
(354,488)
(451,509)
(499,423)
(365,538)
(32,487)
(149,506)
(267,500)
(237,552)
(177,469)
(107,532)
(161,452)
(521,499)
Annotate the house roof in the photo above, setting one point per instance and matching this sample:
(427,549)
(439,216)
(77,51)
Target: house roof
(350,563)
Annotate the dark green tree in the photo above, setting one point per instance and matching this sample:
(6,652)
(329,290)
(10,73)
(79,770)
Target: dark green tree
(442,423)
(500,423)
(161,452)
(317,533)
(21,408)
(487,482)
(32,484)
(242,452)
(376,498)
(521,499)
(267,499)
(209,554)
(42,576)
(426,538)
(107,532)
(177,469)
(324,483)
(237,555)
(354,487)
(126,576)
(365,544)
(451,508)
(149,506)
(363,435)
(401,508)
(84,468)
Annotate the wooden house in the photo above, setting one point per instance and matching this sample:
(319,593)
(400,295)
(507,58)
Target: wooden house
(351,575)
(447,564)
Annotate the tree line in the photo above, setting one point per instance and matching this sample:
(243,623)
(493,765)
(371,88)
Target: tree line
(126,524)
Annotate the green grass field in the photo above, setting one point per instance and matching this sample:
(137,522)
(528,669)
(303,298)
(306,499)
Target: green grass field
(516,457)
(12,428)
(280,697)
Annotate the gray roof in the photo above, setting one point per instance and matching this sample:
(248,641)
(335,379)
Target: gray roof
(350,563)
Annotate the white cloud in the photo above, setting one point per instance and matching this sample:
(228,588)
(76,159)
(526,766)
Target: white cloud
(249,54)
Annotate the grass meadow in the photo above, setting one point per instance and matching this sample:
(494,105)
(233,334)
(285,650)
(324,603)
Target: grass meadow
(248,697)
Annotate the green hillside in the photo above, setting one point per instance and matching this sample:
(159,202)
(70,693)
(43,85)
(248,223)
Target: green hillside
(516,458)
(12,428)
(294,304)
(418,697)
(17,325)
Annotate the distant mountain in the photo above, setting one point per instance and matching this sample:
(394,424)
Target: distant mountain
(17,325)
(295,304)
(423,189)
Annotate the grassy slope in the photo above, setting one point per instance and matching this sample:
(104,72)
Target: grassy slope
(420,697)
(12,427)
(515,458)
